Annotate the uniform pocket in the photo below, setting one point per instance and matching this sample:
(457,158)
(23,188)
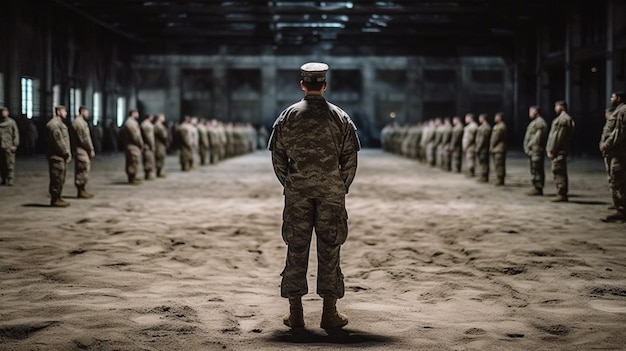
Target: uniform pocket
(341,227)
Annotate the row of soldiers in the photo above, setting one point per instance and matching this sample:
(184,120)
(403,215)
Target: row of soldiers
(442,142)
(146,143)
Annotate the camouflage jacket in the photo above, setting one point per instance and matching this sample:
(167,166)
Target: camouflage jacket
(560,136)
(483,137)
(497,143)
(132,133)
(314,149)
(614,133)
(469,135)
(81,135)
(535,137)
(147,134)
(9,133)
(58,138)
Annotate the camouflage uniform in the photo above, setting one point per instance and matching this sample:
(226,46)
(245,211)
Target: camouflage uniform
(558,145)
(203,143)
(456,147)
(9,139)
(446,152)
(58,154)
(160,151)
(186,145)
(147,134)
(613,142)
(483,135)
(314,153)
(534,147)
(83,148)
(469,147)
(497,148)
(134,145)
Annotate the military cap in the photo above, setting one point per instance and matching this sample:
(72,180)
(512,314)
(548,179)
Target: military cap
(313,72)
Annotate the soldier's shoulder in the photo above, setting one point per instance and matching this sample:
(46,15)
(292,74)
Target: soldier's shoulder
(288,112)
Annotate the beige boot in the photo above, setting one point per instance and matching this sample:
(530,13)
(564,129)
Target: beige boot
(58,202)
(83,194)
(295,318)
(331,318)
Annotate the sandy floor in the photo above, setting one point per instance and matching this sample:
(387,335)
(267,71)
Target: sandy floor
(434,261)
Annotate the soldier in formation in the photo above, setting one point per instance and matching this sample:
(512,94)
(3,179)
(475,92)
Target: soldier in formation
(149,146)
(314,154)
(558,147)
(59,155)
(497,148)
(613,148)
(469,144)
(161,143)
(534,147)
(83,152)
(133,143)
(9,141)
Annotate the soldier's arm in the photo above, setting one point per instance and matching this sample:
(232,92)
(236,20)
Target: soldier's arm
(85,139)
(16,135)
(280,161)
(618,134)
(348,156)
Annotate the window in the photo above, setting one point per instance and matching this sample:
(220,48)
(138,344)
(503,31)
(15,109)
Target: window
(27,97)
(121,111)
(75,102)
(97,108)
(56,96)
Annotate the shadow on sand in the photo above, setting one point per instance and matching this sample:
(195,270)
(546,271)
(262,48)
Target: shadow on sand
(38,205)
(341,336)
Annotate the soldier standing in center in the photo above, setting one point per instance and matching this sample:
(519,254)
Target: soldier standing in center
(559,141)
(134,145)
(161,143)
(497,147)
(534,147)
(84,152)
(469,143)
(147,134)
(314,154)
(59,155)
(483,136)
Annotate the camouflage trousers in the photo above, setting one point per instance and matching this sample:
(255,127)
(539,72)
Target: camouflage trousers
(186,158)
(470,161)
(133,153)
(7,165)
(537,171)
(447,160)
(82,166)
(616,167)
(148,160)
(431,154)
(499,165)
(57,168)
(159,157)
(202,154)
(215,155)
(329,218)
(456,159)
(559,172)
(483,163)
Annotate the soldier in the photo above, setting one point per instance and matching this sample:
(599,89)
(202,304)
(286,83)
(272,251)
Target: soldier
(613,147)
(558,148)
(534,147)
(9,141)
(161,144)
(59,155)
(446,151)
(483,136)
(134,145)
(147,134)
(83,152)
(203,142)
(314,154)
(469,143)
(456,144)
(497,147)
(185,137)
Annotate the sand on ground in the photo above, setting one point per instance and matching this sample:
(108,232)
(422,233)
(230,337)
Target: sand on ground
(434,261)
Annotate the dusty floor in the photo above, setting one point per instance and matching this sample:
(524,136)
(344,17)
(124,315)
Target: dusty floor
(434,261)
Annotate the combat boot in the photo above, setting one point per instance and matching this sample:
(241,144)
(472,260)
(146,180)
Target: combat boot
(559,198)
(84,194)
(331,318)
(295,318)
(616,217)
(9,182)
(58,202)
(149,176)
(535,192)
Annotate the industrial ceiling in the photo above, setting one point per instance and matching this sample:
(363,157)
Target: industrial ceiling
(365,27)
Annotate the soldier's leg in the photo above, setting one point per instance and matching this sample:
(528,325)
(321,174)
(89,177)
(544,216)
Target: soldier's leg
(499,160)
(559,172)
(297,229)
(82,166)
(470,157)
(331,230)
(618,183)
(483,162)
(10,167)
(56,170)
(148,164)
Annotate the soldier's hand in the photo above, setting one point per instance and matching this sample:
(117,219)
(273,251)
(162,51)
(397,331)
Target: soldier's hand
(92,154)
(13,149)
(68,159)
